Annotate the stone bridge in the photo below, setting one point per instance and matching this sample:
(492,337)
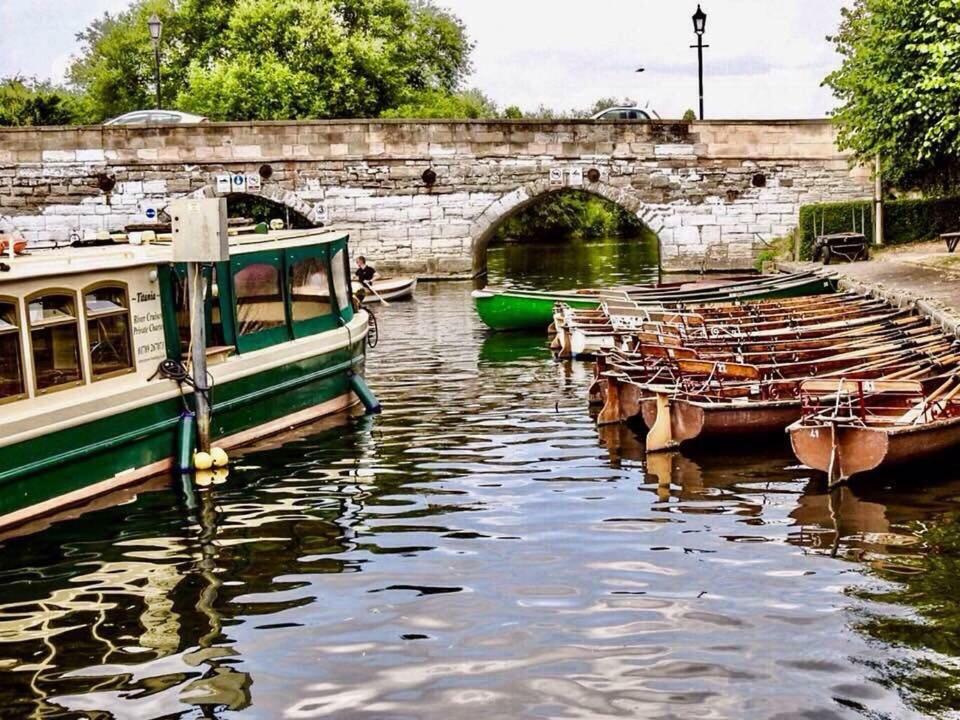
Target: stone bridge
(427,196)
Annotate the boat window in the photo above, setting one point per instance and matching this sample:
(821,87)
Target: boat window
(11,365)
(259,299)
(341,279)
(108,331)
(310,289)
(54,340)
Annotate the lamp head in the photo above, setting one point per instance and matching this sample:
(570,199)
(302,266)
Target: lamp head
(155,24)
(699,21)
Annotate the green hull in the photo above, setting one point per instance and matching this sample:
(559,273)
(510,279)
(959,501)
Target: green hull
(523,311)
(519,310)
(72,460)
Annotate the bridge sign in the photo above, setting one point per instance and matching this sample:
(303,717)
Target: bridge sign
(575,177)
(253,183)
(222,183)
(238,183)
(556,176)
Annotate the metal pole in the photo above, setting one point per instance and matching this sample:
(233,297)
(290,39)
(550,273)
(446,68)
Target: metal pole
(878,204)
(700,63)
(197,287)
(156,59)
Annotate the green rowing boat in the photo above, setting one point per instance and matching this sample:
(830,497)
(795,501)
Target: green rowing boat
(504,310)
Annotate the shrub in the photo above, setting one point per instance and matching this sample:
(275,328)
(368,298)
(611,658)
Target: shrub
(904,221)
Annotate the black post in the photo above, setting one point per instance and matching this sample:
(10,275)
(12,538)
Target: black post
(156,59)
(700,63)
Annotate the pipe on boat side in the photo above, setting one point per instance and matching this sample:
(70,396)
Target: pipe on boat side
(370,402)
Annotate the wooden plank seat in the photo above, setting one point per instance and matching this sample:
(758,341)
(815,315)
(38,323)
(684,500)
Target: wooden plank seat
(951,239)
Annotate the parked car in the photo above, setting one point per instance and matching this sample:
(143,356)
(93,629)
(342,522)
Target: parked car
(156,117)
(621,113)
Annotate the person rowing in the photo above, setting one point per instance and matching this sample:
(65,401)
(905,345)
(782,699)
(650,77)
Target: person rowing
(366,274)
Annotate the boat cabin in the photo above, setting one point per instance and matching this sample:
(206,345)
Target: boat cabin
(82,316)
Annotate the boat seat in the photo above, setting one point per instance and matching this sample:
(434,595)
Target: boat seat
(219,353)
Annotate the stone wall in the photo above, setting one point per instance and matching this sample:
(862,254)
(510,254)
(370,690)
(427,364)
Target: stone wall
(709,189)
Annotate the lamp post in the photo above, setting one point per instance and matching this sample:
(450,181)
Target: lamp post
(699,27)
(156,27)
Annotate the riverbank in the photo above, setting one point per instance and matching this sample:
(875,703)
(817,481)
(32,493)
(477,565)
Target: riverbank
(921,275)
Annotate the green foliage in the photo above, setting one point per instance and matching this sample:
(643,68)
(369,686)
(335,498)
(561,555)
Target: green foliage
(513,113)
(689,116)
(899,87)
(29,102)
(780,248)
(470,104)
(904,221)
(570,215)
(272,59)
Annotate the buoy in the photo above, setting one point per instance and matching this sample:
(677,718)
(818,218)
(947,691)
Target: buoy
(205,478)
(220,476)
(202,461)
(219,457)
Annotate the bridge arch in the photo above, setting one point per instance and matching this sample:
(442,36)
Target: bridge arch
(484,227)
(274,194)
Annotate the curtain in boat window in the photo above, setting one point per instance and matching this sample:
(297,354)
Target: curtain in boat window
(11,363)
(259,298)
(310,289)
(108,331)
(54,341)
(341,284)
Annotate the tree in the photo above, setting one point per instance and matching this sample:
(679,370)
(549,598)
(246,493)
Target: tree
(689,116)
(899,87)
(29,102)
(470,104)
(272,59)
(513,113)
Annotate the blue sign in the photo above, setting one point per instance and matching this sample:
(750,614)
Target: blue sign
(151,213)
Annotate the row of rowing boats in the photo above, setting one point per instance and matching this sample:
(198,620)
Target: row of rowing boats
(856,383)
(531,309)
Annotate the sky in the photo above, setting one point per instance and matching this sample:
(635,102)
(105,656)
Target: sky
(767,58)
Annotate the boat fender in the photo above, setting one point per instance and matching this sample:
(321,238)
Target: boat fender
(202,461)
(186,442)
(219,457)
(363,391)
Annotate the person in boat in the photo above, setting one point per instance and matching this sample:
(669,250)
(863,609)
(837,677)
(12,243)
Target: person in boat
(366,274)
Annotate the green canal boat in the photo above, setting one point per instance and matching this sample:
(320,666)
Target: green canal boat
(92,345)
(530,309)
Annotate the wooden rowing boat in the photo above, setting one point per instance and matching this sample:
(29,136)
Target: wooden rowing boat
(391,290)
(854,426)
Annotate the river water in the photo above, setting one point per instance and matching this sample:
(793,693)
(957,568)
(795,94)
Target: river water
(480,551)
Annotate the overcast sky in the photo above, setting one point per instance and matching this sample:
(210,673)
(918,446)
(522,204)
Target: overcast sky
(767,58)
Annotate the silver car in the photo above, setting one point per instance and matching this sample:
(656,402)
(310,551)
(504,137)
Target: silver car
(156,117)
(621,113)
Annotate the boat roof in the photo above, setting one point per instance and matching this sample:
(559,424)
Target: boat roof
(48,262)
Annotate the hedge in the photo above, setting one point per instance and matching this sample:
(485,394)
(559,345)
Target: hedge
(904,221)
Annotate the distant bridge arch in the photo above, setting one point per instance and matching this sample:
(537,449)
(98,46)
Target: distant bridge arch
(515,201)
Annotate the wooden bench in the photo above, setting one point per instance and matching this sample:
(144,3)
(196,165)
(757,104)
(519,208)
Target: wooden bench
(850,246)
(951,239)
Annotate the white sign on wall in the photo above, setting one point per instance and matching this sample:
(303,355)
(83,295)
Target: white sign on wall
(556,176)
(222,183)
(575,177)
(151,211)
(238,183)
(320,212)
(253,183)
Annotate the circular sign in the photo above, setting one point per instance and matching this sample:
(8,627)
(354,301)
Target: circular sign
(151,214)
(239,180)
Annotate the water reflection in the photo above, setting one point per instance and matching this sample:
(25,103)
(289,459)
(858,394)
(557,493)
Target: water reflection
(481,551)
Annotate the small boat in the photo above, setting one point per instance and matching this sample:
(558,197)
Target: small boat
(853,426)
(390,289)
(94,391)
(530,309)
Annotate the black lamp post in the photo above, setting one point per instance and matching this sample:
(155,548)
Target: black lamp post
(156,27)
(699,27)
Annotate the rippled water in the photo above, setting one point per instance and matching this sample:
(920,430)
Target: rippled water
(479,551)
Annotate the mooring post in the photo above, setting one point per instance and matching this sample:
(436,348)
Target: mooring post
(197,290)
(199,236)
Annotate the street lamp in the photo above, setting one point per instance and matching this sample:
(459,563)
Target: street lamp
(699,27)
(156,27)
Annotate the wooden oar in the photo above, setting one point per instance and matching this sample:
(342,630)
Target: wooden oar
(376,294)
